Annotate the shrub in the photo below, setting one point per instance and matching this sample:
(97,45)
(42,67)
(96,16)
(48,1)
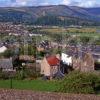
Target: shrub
(27,73)
(19,75)
(79,82)
(31,73)
(5,75)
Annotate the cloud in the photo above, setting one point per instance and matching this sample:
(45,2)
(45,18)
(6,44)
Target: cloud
(20,2)
(30,2)
(66,2)
(81,3)
(88,3)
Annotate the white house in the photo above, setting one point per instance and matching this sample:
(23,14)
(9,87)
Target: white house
(3,49)
(66,59)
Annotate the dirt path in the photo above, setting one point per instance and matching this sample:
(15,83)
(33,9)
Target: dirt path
(31,95)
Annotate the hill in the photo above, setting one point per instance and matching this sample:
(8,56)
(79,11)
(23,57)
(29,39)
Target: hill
(51,15)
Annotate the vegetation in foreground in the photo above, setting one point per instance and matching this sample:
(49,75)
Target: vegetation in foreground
(79,82)
(36,85)
(74,82)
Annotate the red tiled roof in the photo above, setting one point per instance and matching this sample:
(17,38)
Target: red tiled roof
(52,60)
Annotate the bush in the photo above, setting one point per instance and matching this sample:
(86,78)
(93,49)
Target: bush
(78,82)
(19,75)
(31,73)
(5,75)
(27,73)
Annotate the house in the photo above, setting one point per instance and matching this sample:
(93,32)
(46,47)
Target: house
(85,64)
(26,58)
(50,66)
(27,61)
(66,59)
(40,49)
(66,63)
(3,49)
(6,65)
(43,46)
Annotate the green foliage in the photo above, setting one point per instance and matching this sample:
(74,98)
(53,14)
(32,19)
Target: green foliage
(56,50)
(49,20)
(27,73)
(62,21)
(29,49)
(8,53)
(19,75)
(4,75)
(40,54)
(31,73)
(85,39)
(78,82)
(36,85)
(97,42)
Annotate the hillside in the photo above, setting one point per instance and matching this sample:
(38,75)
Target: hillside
(51,15)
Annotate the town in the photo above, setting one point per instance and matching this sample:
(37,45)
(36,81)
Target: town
(47,52)
(27,45)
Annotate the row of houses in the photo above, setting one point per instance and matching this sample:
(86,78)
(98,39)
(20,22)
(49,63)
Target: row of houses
(54,64)
(51,65)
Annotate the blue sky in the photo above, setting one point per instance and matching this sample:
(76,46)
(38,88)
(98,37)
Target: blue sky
(81,3)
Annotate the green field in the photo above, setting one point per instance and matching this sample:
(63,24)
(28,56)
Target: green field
(36,85)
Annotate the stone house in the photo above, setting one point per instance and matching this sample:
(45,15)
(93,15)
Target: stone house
(6,65)
(27,60)
(85,64)
(50,66)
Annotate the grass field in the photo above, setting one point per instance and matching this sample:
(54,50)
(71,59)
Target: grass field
(36,85)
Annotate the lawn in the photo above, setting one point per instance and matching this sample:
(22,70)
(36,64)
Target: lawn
(36,85)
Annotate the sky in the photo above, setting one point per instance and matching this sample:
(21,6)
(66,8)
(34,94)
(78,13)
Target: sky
(81,3)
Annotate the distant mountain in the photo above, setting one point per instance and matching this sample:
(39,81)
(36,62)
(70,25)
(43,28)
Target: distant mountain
(51,15)
(94,11)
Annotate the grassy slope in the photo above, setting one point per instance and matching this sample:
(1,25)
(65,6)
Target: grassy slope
(36,85)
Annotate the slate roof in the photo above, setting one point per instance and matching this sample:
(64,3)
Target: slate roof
(6,63)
